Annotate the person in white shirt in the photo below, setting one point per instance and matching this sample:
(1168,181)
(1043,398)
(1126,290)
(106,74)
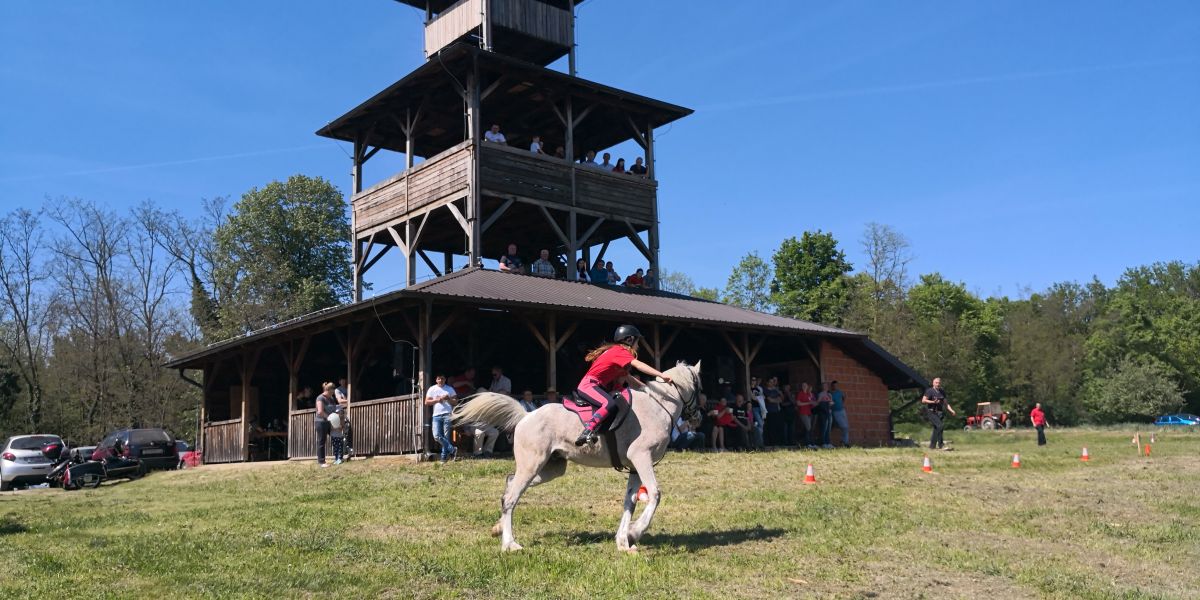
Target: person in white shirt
(607,165)
(493,135)
(536,146)
(486,435)
(442,398)
(527,402)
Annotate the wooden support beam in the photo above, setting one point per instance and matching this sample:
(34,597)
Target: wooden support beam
(637,241)
(582,114)
(487,91)
(552,350)
(554,225)
(371,153)
(458,216)
(732,346)
(363,254)
(371,263)
(561,117)
(536,334)
(583,239)
(401,243)
(445,325)
(603,249)
(637,132)
(432,267)
(496,215)
(562,340)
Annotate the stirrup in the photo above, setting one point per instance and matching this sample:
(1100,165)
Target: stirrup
(586,437)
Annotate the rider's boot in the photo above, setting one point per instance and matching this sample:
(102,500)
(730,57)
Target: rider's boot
(587,436)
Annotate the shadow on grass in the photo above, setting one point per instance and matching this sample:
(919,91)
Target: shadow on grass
(690,542)
(8,526)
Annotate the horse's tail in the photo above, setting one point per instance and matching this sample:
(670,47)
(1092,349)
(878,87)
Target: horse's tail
(489,408)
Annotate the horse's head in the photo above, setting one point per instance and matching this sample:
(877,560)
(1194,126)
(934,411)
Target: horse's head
(687,381)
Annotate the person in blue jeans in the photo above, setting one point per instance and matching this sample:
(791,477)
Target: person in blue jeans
(839,412)
(823,411)
(442,398)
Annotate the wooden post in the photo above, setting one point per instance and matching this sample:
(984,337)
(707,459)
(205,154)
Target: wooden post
(746,360)
(657,348)
(355,188)
(474,128)
(552,350)
(425,364)
(571,40)
(410,257)
(487,25)
(573,250)
(350,347)
(448,263)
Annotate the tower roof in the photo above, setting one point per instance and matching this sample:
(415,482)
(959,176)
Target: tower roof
(437,6)
(525,100)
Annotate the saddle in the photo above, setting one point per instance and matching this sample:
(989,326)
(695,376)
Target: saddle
(584,408)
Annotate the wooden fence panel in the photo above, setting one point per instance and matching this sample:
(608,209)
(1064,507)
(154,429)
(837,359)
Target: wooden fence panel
(387,425)
(301,436)
(223,442)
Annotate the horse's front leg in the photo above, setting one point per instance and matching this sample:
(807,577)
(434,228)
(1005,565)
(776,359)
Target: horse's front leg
(645,468)
(631,489)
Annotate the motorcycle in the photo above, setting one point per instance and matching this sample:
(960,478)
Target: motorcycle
(76,474)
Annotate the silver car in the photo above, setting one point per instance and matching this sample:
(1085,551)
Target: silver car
(21,460)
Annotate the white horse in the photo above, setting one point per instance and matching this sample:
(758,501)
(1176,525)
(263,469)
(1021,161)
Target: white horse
(544,441)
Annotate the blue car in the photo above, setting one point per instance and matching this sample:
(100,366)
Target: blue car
(1178,419)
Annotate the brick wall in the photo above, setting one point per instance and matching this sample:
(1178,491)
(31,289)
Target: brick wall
(866,397)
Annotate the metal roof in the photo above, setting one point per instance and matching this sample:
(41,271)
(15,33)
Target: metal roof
(493,288)
(526,290)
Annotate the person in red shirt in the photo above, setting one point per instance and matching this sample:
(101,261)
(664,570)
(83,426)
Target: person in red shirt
(1039,422)
(804,406)
(610,367)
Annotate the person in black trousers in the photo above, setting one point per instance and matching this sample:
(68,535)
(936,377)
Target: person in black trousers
(934,402)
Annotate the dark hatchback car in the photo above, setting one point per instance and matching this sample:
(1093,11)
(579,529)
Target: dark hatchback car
(154,447)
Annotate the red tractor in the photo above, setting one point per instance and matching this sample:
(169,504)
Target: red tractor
(988,415)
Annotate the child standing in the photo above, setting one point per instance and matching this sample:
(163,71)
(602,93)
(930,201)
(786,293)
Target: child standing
(337,432)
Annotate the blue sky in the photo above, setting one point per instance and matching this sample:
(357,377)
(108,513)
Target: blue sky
(1015,143)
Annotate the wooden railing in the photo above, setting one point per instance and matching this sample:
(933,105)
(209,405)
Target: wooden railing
(381,426)
(387,425)
(509,171)
(444,175)
(223,441)
(301,435)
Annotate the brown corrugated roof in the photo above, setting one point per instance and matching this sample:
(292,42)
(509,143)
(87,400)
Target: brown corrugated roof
(527,290)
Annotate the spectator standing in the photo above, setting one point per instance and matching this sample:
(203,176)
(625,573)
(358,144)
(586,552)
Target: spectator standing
(493,135)
(804,411)
(581,270)
(620,166)
(337,434)
(635,280)
(340,394)
(560,153)
(823,411)
(510,262)
(1039,422)
(589,159)
(758,406)
(787,416)
(536,145)
(325,405)
(606,165)
(442,398)
(934,402)
(611,273)
(638,168)
(721,418)
(598,275)
(542,267)
(650,281)
(305,398)
(774,399)
(839,412)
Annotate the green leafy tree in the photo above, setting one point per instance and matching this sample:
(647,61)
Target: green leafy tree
(1133,390)
(283,252)
(749,284)
(956,337)
(809,280)
(707,293)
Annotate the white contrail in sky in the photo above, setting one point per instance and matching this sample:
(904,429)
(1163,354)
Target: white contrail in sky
(927,85)
(171,163)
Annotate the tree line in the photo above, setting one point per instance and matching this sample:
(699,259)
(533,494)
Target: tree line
(1088,352)
(93,301)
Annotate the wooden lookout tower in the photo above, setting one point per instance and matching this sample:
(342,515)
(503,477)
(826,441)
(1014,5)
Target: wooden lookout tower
(460,195)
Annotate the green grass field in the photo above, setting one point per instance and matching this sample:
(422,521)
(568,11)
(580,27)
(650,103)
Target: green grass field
(730,525)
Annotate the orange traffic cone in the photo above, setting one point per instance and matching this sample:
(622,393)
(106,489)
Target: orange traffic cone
(1084,457)
(809,476)
(643,495)
(928,466)
(1016,463)
(1147,449)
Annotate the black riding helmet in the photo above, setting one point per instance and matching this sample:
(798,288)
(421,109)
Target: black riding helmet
(626,331)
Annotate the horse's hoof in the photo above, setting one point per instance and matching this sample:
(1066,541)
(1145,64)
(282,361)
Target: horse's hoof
(632,550)
(496,530)
(513,547)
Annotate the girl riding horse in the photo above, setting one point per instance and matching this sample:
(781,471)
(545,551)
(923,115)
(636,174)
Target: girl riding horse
(610,367)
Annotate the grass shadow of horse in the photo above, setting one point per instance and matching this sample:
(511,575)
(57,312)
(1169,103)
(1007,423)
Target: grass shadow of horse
(688,542)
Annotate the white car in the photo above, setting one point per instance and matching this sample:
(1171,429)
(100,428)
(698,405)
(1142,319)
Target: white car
(21,460)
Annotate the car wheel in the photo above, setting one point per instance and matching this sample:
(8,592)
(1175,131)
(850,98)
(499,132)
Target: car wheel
(95,484)
(5,486)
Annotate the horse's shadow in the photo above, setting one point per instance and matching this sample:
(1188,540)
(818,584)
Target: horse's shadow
(689,542)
